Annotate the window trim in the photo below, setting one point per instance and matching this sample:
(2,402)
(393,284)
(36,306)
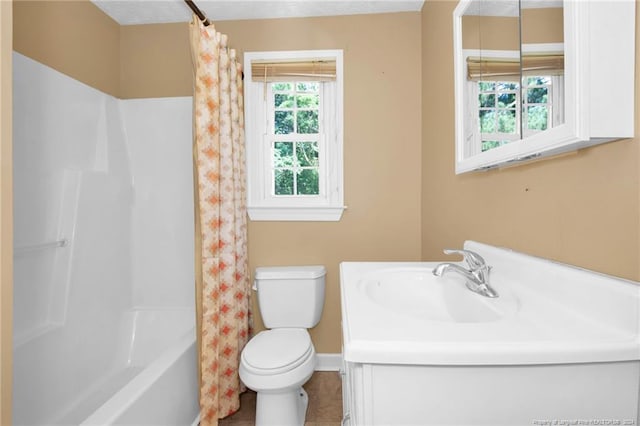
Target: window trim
(261,205)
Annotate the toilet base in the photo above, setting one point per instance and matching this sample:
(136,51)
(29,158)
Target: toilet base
(282,408)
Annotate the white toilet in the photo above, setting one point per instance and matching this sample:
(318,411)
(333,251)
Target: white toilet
(277,362)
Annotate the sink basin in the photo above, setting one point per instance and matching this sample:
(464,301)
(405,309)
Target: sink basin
(547,313)
(417,293)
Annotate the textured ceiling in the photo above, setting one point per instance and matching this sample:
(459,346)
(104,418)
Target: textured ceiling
(130,12)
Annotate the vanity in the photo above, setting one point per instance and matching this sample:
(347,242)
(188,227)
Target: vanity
(559,343)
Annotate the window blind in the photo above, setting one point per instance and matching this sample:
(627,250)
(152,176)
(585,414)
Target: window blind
(306,70)
(509,68)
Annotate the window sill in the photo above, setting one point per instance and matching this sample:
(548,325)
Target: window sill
(314,214)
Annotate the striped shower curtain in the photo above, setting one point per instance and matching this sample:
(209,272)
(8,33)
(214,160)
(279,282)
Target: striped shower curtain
(222,280)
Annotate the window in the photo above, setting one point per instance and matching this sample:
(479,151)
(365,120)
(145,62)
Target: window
(508,99)
(293,106)
(499,115)
(537,104)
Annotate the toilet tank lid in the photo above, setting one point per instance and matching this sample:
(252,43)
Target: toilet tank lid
(290,272)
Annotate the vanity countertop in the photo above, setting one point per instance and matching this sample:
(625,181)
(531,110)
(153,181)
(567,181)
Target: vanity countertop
(547,312)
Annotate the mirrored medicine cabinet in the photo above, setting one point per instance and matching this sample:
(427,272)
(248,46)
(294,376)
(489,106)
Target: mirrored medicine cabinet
(535,78)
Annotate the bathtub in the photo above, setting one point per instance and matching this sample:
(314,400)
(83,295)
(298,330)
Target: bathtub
(561,345)
(152,378)
(161,374)
(157,384)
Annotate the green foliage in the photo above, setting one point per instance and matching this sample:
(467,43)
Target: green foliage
(308,182)
(296,111)
(296,164)
(283,180)
(507,121)
(307,154)
(537,117)
(498,106)
(296,174)
(487,145)
(283,123)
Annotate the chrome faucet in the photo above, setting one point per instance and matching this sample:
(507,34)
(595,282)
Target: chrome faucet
(477,275)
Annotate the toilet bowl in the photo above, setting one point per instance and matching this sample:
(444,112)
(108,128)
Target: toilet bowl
(277,362)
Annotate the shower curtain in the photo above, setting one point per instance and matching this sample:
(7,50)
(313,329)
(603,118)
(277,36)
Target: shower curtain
(222,281)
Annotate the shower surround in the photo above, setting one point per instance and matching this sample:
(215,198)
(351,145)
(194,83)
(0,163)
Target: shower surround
(103,241)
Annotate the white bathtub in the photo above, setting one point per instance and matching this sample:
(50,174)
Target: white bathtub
(151,380)
(161,377)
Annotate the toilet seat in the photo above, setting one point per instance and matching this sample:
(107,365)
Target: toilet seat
(277,351)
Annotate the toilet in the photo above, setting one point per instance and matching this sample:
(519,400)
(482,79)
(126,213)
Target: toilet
(277,362)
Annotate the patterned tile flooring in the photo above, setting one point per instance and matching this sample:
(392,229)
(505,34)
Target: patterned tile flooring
(325,403)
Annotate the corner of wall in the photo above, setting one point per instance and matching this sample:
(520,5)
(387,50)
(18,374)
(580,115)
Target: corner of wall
(6,208)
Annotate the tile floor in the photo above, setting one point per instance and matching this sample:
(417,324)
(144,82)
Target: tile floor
(325,403)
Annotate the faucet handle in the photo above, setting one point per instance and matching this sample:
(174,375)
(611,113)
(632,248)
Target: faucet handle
(473,259)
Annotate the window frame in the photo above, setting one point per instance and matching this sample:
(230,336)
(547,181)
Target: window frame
(262,204)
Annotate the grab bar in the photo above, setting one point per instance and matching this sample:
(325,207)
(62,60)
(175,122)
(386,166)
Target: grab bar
(42,246)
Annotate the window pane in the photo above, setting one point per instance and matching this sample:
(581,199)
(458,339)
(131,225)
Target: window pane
(307,154)
(487,100)
(504,86)
(283,123)
(283,154)
(308,101)
(537,117)
(308,182)
(312,86)
(506,100)
(538,81)
(507,121)
(282,86)
(307,122)
(487,145)
(537,95)
(282,100)
(487,121)
(283,182)
(486,85)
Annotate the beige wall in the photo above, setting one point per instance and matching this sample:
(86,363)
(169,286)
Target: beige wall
(582,208)
(490,32)
(544,25)
(155,61)
(6,225)
(73,37)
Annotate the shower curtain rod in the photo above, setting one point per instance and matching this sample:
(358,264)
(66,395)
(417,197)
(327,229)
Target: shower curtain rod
(198,12)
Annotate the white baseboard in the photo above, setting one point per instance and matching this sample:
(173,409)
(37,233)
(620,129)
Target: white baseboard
(329,362)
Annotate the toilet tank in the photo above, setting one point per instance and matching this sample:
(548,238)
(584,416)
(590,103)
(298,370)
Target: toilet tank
(290,296)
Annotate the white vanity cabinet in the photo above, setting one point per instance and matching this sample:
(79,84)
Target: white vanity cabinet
(592,59)
(559,344)
(509,395)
